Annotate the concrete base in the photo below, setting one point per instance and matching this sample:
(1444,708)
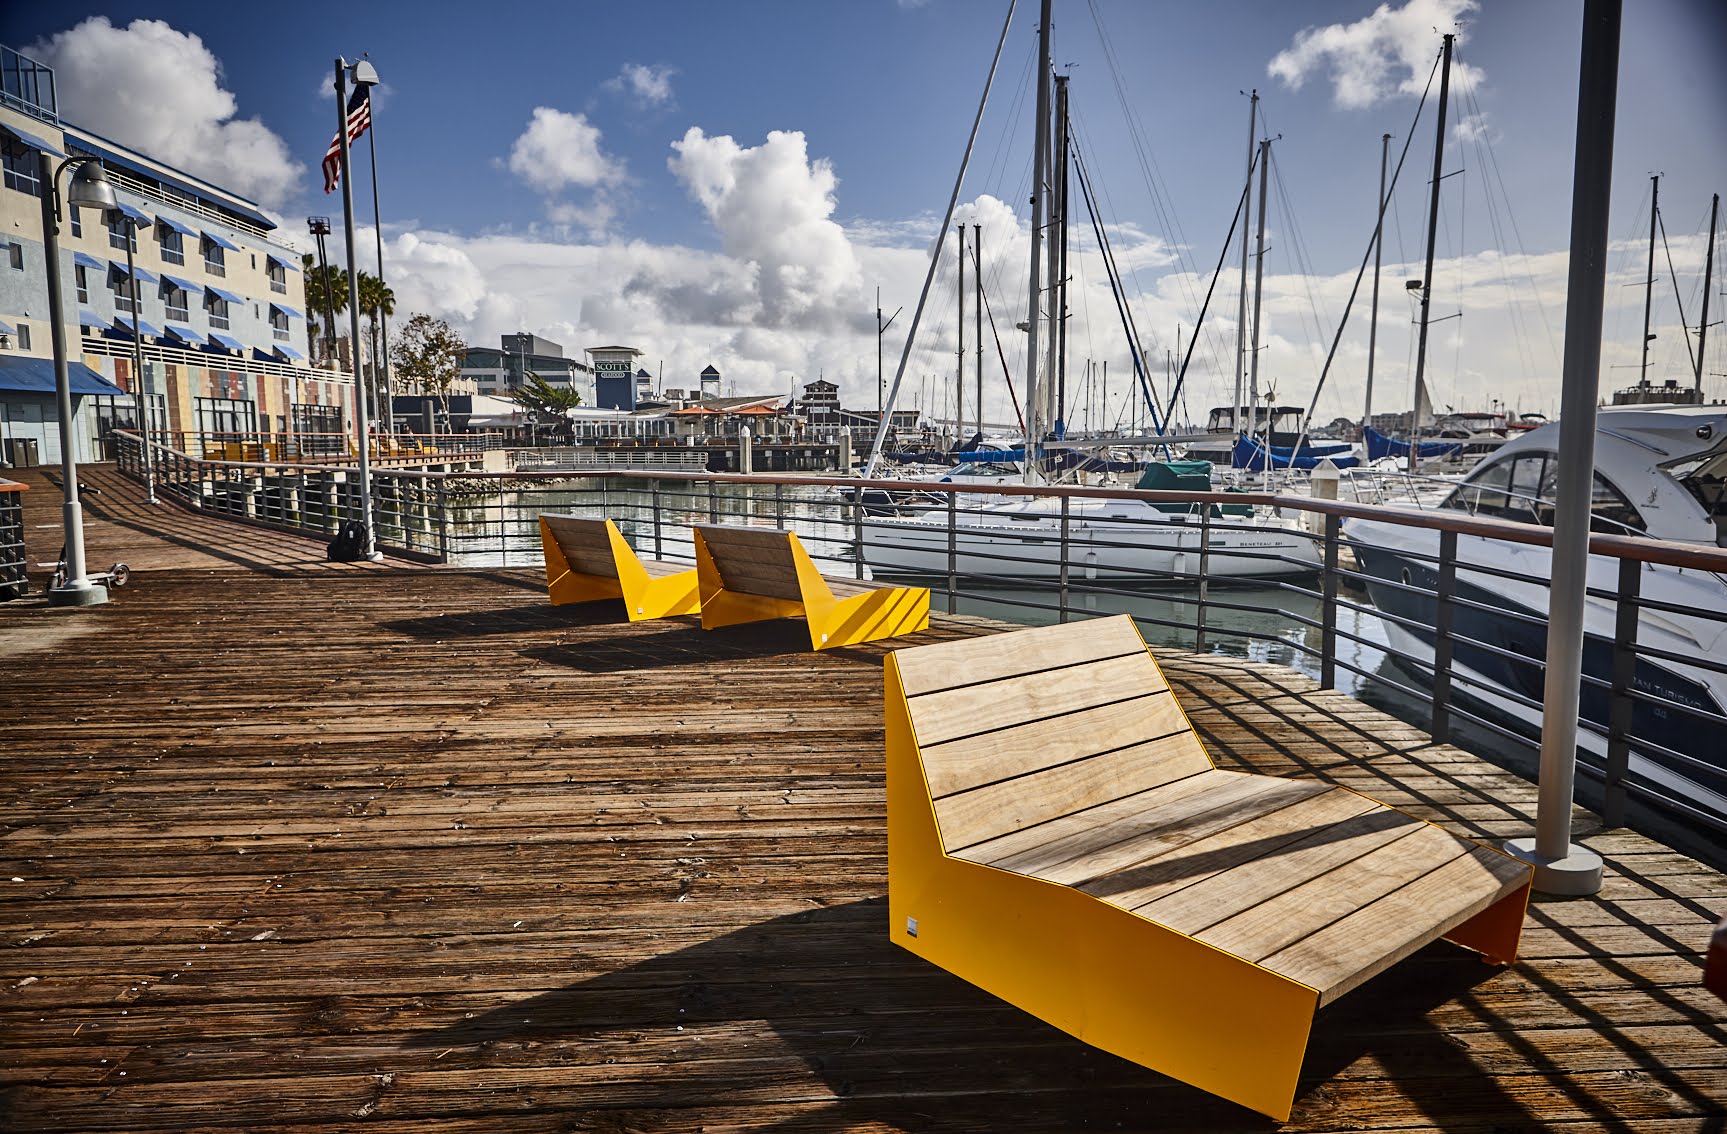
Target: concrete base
(90,594)
(1576,875)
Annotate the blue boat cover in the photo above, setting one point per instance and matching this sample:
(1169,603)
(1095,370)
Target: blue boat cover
(218,238)
(1379,446)
(989,456)
(1253,456)
(36,376)
(227,341)
(228,296)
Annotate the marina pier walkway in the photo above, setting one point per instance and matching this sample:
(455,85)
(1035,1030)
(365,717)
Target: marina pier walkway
(302,847)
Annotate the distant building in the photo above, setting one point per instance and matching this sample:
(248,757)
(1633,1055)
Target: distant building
(500,370)
(221,322)
(614,369)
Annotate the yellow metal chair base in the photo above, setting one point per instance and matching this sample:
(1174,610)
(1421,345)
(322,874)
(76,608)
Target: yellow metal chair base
(645,596)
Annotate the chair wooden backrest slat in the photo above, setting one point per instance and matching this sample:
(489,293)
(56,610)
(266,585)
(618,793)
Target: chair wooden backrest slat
(586,544)
(972,710)
(933,668)
(753,561)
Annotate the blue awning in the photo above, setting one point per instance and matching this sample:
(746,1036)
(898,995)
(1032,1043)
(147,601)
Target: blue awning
(288,264)
(286,310)
(135,213)
(144,274)
(145,327)
(226,295)
(182,229)
(36,376)
(289,352)
(34,141)
(86,260)
(7,328)
(184,334)
(225,340)
(218,238)
(183,285)
(88,318)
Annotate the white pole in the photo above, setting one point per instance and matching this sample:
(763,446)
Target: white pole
(361,416)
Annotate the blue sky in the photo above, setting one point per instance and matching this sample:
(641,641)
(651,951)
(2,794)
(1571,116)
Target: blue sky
(615,222)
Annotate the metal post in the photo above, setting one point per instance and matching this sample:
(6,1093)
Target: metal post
(1258,288)
(952,547)
(1039,170)
(1708,270)
(1649,275)
(977,314)
(1373,320)
(1199,616)
(138,357)
(1619,718)
(659,552)
(959,361)
(1560,866)
(1328,608)
(1064,558)
(1445,610)
(713,503)
(362,424)
(77,590)
(1241,316)
(857,535)
(1432,236)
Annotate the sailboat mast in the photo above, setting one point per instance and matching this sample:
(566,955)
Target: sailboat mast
(1040,151)
(1258,288)
(1432,236)
(1373,320)
(959,355)
(977,314)
(1058,255)
(1649,279)
(1241,312)
(1708,269)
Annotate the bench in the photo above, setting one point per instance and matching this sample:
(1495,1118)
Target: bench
(588,560)
(754,574)
(1058,837)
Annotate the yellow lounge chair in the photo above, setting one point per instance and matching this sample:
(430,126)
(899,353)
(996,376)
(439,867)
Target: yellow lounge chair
(588,560)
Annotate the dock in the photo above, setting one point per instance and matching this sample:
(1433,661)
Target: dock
(290,845)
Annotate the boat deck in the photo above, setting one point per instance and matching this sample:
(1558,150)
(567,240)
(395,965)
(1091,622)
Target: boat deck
(296,849)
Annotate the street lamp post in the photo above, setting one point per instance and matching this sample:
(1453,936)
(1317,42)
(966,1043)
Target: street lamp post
(361,415)
(89,189)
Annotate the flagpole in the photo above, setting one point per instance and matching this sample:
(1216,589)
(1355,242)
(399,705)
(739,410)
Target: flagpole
(381,366)
(362,424)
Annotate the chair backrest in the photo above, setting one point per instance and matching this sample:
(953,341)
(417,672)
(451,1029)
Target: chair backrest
(1018,729)
(753,561)
(586,544)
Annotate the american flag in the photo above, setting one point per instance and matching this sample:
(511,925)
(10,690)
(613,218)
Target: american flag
(359,119)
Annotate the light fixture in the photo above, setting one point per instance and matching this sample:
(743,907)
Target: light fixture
(90,188)
(364,74)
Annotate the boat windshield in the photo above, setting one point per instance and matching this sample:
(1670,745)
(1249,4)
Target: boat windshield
(1705,478)
(1524,487)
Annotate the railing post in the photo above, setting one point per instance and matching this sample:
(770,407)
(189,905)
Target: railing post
(780,506)
(659,535)
(1063,551)
(1619,718)
(952,548)
(1199,614)
(443,523)
(713,502)
(1328,611)
(1443,613)
(857,535)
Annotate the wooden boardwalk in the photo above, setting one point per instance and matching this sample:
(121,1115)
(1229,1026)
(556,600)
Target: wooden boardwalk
(416,851)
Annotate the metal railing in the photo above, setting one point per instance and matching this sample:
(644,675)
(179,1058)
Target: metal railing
(1275,576)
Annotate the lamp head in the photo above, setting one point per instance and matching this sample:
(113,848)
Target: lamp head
(90,188)
(364,74)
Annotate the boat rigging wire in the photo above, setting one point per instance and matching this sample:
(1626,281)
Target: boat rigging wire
(935,253)
(1690,354)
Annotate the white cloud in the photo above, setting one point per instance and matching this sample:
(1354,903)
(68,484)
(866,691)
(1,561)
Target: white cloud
(559,150)
(648,83)
(159,91)
(773,208)
(1379,56)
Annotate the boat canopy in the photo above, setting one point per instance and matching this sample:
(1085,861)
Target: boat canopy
(1380,446)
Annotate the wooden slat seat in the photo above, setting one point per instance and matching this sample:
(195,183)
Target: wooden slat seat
(1058,835)
(589,560)
(754,574)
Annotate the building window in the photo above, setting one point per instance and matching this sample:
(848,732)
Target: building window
(121,234)
(23,337)
(214,262)
(121,285)
(22,170)
(77,221)
(226,419)
(15,254)
(216,310)
(81,276)
(173,246)
(174,300)
(278,278)
(278,325)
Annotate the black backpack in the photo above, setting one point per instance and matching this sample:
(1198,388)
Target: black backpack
(350,542)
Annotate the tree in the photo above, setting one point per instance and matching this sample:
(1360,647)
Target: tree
(428,357)
(545,403)
(326,291)
(377,302)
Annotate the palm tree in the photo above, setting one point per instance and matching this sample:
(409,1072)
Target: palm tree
(326,294)
(377,302)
